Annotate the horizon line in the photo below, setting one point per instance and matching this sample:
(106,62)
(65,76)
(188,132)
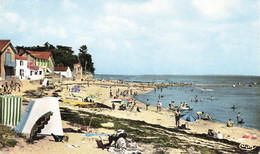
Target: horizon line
(179,75)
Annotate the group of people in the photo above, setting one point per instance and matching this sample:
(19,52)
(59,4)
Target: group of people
(121,144)
(230,123)
(185,105)
(127,106)
(7,88)
(206,117)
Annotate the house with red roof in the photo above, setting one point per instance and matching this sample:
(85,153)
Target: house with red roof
(63,71)
(7,60)
(25,71)
(39,60)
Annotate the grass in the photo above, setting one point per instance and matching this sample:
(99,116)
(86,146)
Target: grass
(8,137)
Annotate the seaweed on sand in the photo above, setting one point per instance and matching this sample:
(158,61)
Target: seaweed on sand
(139,131)
(8,137)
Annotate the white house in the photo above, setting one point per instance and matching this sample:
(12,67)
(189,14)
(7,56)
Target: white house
(36,73)
(63,71)
(25,70)
(21,70)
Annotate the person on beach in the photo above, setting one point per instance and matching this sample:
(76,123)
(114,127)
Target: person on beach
(207,117)
(111,95)
(199,114)
(230,123)
(147,104)
(171,105)
(121,142)
(133,106)
(238,116)
(159,106)
(113,106)
(177,118)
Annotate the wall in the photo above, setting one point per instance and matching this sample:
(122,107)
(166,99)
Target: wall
(3,60)
(19,67)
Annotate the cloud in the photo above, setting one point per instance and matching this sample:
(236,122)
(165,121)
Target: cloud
(146,9)
(216,9)
(68,5)
(157,36)
(53,32)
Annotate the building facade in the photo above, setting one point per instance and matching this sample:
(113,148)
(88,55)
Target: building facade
(63,71)
(7,60)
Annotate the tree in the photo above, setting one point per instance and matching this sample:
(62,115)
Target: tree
(86,60)
(64,56)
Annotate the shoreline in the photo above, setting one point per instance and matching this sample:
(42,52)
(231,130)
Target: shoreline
(101,90)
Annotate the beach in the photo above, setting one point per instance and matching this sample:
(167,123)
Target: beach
(101,90)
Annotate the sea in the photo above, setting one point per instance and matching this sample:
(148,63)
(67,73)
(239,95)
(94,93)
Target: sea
(245,98)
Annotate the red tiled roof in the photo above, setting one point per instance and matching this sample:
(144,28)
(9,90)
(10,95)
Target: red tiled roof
(29,65)
(60,68)
(20,57)
(78,65)
(40,54)
(3,44)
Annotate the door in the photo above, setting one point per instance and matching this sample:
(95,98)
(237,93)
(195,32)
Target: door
(8,73)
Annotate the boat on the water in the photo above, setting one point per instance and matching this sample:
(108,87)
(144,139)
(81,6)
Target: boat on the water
(175,108)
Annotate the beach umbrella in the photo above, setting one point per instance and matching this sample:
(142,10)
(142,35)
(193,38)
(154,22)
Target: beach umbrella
(189,118)
(128,99)
(75,89)
(124,102)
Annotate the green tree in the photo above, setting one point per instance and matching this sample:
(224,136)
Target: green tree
(64,56)
(86,60)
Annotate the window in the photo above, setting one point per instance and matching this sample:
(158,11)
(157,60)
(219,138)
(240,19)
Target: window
(21,63)
(21,72)
(31,73)
(35,73)
(40,73)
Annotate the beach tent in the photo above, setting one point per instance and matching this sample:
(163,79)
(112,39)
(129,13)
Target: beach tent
(45,81)
(36,109)
(10,108)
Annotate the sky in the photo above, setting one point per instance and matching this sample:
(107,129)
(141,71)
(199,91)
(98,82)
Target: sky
(137,37)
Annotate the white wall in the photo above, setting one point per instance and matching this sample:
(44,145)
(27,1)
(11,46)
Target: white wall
(35,74)
(21,65)
(67,74)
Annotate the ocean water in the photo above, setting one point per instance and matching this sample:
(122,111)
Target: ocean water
(246,99)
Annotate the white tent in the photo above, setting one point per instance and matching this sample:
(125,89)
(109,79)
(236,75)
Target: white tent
(44,83)
(34,110)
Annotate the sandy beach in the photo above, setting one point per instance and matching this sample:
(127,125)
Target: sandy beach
(79,143)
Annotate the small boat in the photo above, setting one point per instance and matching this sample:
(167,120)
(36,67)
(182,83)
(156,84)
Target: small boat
(115,101)
(175,108)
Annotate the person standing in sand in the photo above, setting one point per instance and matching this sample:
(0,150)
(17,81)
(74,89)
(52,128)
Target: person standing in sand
(177,118)
(147,104)
(113,106)
(159,105)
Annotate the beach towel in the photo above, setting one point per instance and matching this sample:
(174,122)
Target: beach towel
(90,135)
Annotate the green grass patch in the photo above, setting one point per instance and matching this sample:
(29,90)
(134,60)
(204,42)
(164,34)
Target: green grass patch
(7,137)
